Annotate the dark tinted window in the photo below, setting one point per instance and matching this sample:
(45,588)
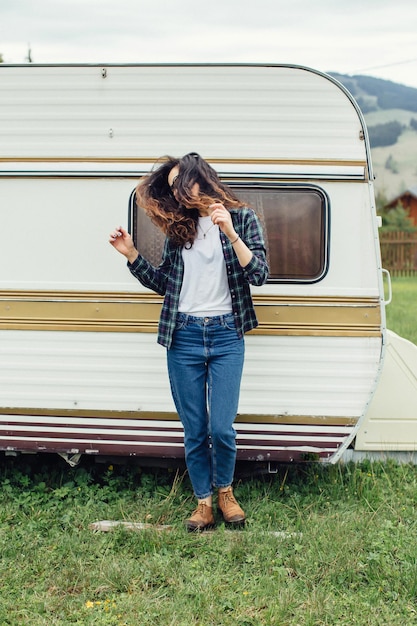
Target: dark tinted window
(295,222)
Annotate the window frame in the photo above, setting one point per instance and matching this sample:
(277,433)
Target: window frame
(301,187)
(254,186)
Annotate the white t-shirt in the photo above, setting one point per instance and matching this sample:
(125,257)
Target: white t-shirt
(205,290)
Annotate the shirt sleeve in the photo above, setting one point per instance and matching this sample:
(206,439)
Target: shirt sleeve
(154,278)
(256,271)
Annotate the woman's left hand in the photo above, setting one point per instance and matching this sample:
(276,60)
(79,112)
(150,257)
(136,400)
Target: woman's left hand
(221,216)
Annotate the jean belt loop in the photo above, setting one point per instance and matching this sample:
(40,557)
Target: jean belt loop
(183,318)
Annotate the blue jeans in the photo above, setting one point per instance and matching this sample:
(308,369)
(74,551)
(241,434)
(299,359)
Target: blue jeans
(205,363)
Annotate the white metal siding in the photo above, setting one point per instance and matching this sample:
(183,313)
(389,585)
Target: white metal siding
(317,376)
(63,227)
(229,112)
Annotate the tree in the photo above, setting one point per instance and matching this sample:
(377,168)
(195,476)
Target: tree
(381,201)
(366,105)
(384,134)
(391,164)
(397,219)
(1,58)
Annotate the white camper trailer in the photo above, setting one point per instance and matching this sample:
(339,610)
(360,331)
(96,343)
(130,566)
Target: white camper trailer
(80,369)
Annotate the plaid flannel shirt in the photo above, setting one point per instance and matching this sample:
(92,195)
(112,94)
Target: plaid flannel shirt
(166,279)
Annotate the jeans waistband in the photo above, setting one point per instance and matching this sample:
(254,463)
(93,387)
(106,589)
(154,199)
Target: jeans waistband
(215,319)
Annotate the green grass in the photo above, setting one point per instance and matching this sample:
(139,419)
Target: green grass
(345,553)
(402,311)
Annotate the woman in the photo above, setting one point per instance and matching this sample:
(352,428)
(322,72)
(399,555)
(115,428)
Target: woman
(213,251)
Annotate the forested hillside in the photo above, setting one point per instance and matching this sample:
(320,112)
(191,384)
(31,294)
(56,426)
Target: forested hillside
(390,111)
(374,93)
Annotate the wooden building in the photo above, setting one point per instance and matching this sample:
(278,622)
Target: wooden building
(408,199)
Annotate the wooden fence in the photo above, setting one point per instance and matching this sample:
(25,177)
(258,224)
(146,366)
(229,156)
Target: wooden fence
(399,253)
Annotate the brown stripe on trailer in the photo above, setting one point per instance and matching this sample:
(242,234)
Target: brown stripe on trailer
(281,442)
(161,416)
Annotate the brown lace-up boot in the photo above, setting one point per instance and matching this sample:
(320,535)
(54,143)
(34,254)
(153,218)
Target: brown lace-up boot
(201,519)
(228,506)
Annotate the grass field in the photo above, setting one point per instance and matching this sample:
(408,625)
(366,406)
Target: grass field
(323,545)
(402,311)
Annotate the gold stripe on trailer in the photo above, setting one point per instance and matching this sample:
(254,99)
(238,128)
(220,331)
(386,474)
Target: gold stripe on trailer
(155,159)
(128,312)
(230,168)
(162,416)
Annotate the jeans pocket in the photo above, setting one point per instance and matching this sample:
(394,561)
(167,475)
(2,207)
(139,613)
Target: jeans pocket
(229,322)
(180,323)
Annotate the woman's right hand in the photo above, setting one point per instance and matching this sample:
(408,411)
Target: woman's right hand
(123,243)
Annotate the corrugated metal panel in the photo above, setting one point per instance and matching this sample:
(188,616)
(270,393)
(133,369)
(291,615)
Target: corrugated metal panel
(309,375)
(84,371)
(326,376)
(274,112)
(320,377)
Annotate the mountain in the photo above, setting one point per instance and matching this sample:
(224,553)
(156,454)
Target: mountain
(390,111)
(373,94)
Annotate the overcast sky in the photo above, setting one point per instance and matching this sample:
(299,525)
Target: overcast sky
(375,37)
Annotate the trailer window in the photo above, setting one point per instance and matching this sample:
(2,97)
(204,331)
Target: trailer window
(295,222)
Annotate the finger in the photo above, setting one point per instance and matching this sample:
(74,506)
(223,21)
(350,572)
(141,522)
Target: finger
(118,232)
(219,212)
(214,208)
(220,217)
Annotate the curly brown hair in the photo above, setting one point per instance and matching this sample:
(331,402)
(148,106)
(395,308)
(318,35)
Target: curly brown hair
(177,216)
